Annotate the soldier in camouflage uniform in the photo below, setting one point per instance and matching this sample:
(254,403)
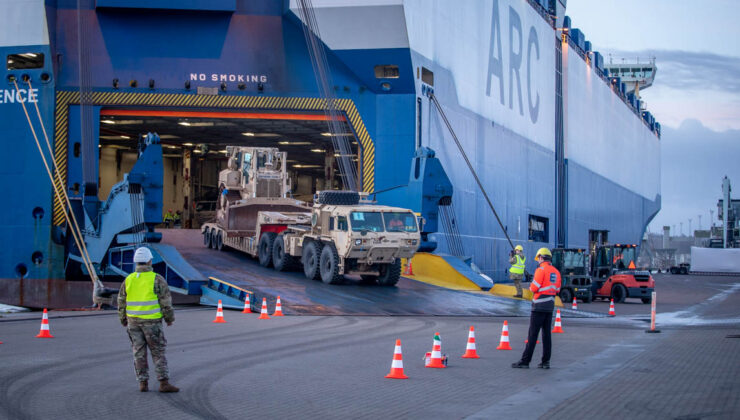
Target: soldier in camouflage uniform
(143,301)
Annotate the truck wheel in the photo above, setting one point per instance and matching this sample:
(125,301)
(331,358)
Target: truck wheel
(589,297)
(390,273)
(566,296)
(619,293)
(220,241)
(264,250)
(330,265)
(684,270)
(280,260)
(207,238)
(311,257)
(647,300)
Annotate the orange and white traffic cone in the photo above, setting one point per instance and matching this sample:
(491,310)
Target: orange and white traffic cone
(504,343)
(219,314)
(575,304)
(247,305)
(409,268)
(558,324)
(263,312)
(611,308)
(397,364)
(470,352)
(278,308)
(436,361)
(44,331)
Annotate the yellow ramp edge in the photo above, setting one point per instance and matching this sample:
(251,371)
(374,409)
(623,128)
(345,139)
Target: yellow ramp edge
(433,269)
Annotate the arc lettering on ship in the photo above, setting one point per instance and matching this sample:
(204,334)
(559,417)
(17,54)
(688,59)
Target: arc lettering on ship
(516,54)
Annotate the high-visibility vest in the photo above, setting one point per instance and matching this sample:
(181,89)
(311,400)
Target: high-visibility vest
(545,284)
(518,267)
(141,301)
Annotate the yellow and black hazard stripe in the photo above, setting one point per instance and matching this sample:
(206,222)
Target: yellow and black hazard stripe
(66,98)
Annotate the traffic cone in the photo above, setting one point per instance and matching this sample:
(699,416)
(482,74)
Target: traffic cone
(409,268)
(527,341)
(278,308)
(247,305)
(504,343)
(436,361)
(263,312)
(558,325)
(611,308)
(470,352)
(219,314)
(575,304)
(397,364)
(44,331)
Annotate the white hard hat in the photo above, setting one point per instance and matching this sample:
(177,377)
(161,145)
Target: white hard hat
(142,255)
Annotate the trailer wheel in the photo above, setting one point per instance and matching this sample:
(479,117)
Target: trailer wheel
(390,273)
(311,257)
(264,250)
(280,260)
(213,236)
(566,296)
(619,293)
(207,238)
(329,265)
(220,241)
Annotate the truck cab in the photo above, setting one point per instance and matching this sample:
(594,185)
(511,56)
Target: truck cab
(576,280)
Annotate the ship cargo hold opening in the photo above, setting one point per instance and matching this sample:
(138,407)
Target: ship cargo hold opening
(194,152)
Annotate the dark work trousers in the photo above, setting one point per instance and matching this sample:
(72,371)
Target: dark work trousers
(539,321)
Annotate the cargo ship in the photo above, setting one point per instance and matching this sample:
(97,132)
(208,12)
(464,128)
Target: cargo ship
(559,139)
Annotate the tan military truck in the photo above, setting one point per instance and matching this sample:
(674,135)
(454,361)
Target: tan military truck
(349,237)
(338,235)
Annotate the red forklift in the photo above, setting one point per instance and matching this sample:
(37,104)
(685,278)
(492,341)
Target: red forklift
(615,275)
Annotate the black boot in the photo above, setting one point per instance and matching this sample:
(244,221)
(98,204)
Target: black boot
(520,365)
(544,365)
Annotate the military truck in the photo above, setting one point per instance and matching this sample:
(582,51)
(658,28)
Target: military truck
(575,278)
(338,235)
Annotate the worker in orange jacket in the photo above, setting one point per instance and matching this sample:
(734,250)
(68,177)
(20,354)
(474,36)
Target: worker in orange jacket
(545,286)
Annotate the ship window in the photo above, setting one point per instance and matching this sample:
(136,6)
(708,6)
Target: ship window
(538,228)
(427,76)
(388,71)
(25,61)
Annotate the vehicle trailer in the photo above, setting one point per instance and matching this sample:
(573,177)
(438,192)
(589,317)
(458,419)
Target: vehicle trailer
(576,280)
(336,236)
(615,276)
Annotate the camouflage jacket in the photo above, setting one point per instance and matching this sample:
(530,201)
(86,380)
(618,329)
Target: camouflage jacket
(160,289)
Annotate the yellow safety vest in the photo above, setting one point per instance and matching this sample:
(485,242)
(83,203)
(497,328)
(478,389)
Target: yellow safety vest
(141,301)
(518,268)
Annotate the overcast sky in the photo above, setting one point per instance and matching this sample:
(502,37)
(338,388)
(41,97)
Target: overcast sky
(695,96)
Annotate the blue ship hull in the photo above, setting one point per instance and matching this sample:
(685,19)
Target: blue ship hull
(558,152)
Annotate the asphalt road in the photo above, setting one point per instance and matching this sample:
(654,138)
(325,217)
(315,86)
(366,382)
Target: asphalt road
(334,366)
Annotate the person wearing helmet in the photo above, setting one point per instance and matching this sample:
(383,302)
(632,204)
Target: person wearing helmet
(545,286)
(516,271)
(143,301)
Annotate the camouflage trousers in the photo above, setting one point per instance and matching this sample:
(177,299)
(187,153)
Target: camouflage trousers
(517,279)
(149,334)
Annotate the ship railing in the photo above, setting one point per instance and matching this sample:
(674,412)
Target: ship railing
(606,79)
(550,19)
